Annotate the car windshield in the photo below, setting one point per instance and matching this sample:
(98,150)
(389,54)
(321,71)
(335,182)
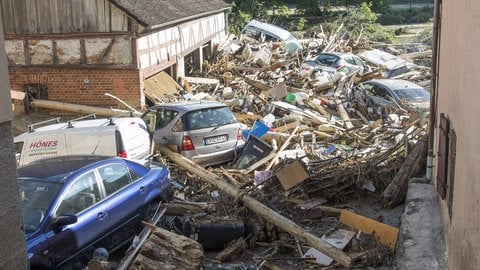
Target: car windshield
(37,197)
(210,117)
(413,94)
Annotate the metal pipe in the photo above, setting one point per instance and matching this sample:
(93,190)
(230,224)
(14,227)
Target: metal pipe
(433,87)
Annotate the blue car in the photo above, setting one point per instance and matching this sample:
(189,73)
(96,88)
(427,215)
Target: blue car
(72,205)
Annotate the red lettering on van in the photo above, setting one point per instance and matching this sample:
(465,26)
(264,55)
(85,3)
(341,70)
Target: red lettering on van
(42,144)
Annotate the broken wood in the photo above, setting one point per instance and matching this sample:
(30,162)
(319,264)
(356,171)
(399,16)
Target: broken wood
(166,250)
(233,249)
(259,208)
(396,191)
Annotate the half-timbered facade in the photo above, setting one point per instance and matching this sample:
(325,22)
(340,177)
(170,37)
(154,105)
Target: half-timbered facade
(76,51)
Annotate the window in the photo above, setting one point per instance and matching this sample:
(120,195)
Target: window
(379,91)
(442,156)
(81,194)
(34,91)
(164,116)
(115,177)
(211,117)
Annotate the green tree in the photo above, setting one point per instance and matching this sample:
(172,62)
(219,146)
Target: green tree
(308,8)
(381,6)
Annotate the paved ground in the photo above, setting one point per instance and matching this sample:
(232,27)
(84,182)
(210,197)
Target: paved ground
(421,244)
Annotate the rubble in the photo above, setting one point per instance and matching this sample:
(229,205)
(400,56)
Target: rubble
(322,147)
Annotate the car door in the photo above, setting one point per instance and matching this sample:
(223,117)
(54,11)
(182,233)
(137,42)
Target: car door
(75,242)
(125,198)
(161,124)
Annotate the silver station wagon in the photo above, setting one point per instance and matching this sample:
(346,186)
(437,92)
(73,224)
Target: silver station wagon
(205,132)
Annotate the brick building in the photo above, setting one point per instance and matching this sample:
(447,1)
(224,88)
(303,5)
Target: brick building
(76,51)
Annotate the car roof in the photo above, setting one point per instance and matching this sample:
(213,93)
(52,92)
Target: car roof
(280,32)
(58,165)
(395,84)
(339,54)
(190,105)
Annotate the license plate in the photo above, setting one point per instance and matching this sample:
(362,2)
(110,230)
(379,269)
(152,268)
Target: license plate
(215,139)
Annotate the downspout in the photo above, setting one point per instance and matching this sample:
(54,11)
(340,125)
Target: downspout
(433,88)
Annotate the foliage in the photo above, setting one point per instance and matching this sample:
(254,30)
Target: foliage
(356,21)
(409,15)
(265,10)
(308,8)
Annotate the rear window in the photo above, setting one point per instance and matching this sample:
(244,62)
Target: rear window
(413,95)
(210,117)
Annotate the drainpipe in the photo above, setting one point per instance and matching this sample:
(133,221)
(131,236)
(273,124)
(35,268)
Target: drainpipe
(433,87)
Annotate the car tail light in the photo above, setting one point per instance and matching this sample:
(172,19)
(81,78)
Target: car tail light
(239,135)
(187,144)
(122,154)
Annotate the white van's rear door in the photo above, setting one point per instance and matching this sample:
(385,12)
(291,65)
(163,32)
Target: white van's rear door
(42,146)
(94,142)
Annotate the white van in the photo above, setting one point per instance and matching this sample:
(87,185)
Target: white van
(123,137)
(265,32)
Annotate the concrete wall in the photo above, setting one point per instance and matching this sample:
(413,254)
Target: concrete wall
(459,98)
(12,251)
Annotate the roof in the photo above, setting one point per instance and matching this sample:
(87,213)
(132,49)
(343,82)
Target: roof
(273,29)
(152,13)
(395,84)
(191,105)
(58,165)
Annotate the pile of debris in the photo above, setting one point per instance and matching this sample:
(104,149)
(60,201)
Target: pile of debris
(311,147)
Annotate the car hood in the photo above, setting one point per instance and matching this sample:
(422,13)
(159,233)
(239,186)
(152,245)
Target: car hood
(419,106)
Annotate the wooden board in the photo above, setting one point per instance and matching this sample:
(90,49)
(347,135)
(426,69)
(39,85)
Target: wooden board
(387,234)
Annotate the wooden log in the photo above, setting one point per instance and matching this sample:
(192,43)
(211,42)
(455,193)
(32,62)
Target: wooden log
(167,250)
(259,208)
(343,114)
(235,248)
(396,191)
(80,109)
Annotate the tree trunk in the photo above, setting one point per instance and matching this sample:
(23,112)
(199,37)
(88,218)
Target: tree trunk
(395,193)
(259,208)
(81,109)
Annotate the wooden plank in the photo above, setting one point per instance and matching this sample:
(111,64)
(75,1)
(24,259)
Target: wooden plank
(10,22)
(77,14)
(64,9)
(31,16)
(201,80)
(17,95)
(90,15)
(102,18)
(43,16)
(54,19)
(287,127)
(387,234)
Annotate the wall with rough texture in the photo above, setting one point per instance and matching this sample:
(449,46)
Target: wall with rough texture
(12,251)
(83,86)
(458,98)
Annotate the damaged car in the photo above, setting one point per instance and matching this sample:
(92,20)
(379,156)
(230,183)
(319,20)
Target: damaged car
(332,61)
(73,205)
(205,132)
(396,94)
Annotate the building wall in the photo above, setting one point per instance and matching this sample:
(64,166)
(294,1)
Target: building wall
(13,253)
(83,86)
(458,99)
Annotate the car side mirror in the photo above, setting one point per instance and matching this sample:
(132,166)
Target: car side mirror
(64,219)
